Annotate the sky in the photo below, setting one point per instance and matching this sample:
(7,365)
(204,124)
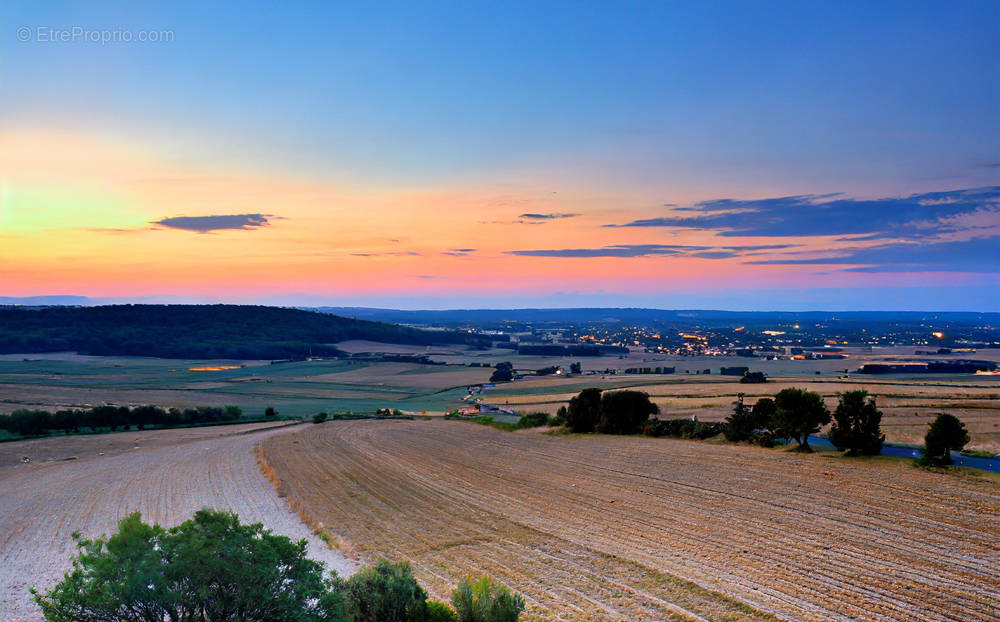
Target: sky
(728,155)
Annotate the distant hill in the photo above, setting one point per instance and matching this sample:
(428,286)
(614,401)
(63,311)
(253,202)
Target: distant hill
(199,331)
(679,317)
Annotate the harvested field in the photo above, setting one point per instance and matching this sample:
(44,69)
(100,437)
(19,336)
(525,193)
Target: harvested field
(165,474)
(598,527)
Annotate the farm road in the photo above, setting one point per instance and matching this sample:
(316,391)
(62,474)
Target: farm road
(166,475)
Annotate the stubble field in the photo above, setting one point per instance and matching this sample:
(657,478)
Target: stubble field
(597,527)
(88,483)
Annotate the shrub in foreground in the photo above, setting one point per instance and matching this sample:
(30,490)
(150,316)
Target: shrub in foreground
(440,612)
(387,592)
(486,601)
(209,568)
(624,412)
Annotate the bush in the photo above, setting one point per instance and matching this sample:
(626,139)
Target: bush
(486,601)
(683,428)
(584,410)
(319,417)
(440,612)
(856,426)
(387,592)
(624,412)
(533,420)
(210,567)
(946,434)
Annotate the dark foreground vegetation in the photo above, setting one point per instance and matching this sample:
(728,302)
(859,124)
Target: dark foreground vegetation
(200,331)
(212,568)
(28,423)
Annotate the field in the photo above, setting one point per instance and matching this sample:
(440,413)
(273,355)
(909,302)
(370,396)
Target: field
(55,381)
(592,527)
(89,482)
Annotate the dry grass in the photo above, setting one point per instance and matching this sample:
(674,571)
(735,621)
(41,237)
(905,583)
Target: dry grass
(166,475)
(648,529)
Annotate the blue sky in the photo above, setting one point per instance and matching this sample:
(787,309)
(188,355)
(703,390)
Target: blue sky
(625,111)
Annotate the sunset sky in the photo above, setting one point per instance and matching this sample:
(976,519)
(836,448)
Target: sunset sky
(463,154)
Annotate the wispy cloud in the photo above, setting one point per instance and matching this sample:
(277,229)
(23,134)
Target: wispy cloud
(917,216)
(458,252)
(205,224)
(652,250)
(548,216)
(977,255)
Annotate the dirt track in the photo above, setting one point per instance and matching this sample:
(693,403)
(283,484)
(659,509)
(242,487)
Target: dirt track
(597,527)
(166,475)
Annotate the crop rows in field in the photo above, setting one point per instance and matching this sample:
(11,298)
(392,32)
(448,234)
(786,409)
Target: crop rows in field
(597,527)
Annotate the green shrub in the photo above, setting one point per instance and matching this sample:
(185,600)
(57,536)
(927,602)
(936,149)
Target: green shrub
(486,601)
(319,417)
(387,592)
(440,612)
(533,420)
(210,567)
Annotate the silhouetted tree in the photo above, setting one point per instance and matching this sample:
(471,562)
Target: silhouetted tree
(856,424)
(504,372)
(576,368)
(584,410)
(946,434)
(798,414)
(624,412)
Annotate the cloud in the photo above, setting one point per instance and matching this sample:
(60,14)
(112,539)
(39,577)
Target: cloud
(458,252)
(917,216)
(549,216)
(651,250)
(204,224)
(976,255)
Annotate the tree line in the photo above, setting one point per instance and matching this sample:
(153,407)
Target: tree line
(26,422)
(212,568)
(201,331)
(791,414)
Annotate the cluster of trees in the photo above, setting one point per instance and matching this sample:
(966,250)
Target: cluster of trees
(212,568)
(41,422)
(201,331)
(614,412)
(504,372)
(793,413)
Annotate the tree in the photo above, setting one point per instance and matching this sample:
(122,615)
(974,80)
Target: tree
(856,424)
(486,601)
(504,372)
(576,368)
(210,568)
(946,434)
(387,592)
(798,414)
(584,410)
(740,424)
(270,412)
(624,412)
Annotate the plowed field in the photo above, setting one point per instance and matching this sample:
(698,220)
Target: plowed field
(598,527)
